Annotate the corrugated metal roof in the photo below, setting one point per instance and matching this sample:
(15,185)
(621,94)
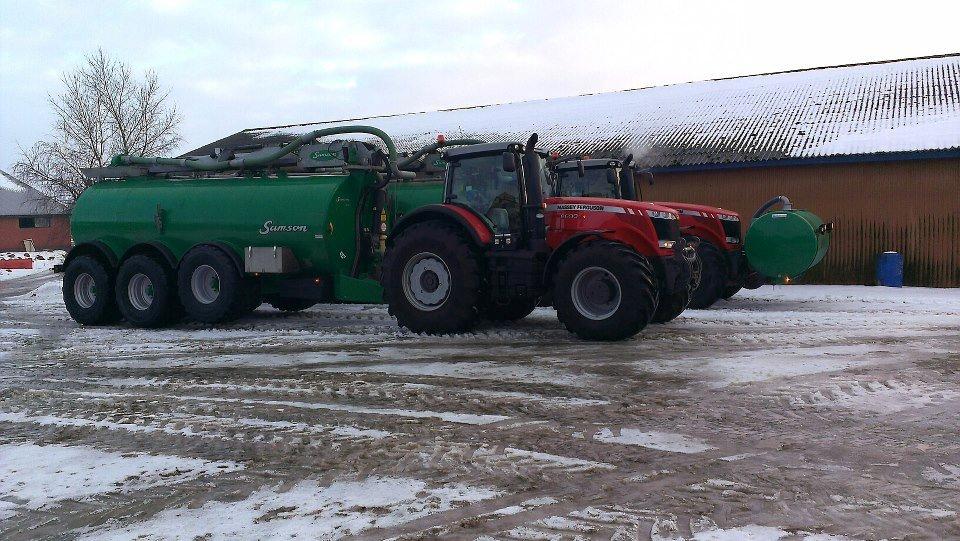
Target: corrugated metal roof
(897,106)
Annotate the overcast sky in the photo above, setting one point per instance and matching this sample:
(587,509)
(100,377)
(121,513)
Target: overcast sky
(239,64)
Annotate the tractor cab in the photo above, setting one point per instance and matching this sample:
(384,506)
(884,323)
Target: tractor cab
(586,178)
(503,184)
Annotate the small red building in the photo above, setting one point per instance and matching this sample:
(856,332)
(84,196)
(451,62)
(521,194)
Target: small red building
(25,216)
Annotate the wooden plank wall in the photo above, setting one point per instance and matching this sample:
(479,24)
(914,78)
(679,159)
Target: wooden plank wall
(912,207)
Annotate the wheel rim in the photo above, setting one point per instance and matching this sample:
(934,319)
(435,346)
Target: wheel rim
(426,281)
(140,291)
(85,290)
(596,293)
(205,284)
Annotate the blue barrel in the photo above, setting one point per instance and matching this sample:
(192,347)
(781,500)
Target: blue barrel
(890,269)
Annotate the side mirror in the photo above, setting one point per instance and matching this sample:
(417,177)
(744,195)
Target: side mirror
(580,170)
(612,176)
(509,162)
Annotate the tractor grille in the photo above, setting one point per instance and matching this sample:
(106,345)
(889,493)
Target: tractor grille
(666,229)
(731,229)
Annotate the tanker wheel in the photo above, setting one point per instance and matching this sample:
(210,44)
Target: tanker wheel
(605,291)
(145,292)
(290,304)
(431,279)
(513,310)
(210,286)
(672,305)
(713,276)
(88,292)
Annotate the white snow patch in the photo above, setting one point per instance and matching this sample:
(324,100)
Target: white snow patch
(555,400)
(948,474)
(43,262)
(307,509)
(33,476)
(662,441)
(750,532)
(484,370)
(451,417)
(221,423)
(879,397)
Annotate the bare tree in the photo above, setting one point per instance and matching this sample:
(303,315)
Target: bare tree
(103,110)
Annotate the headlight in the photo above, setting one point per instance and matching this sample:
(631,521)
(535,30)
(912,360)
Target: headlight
(728,217)
(667,243)
(732,240)
(662,214)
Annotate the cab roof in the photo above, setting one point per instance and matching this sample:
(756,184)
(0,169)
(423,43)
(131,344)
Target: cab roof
(456,153)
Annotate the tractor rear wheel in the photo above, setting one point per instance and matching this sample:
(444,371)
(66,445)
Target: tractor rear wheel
(513,310)
(88,292)
(713,276)
(605,291)
(431,279)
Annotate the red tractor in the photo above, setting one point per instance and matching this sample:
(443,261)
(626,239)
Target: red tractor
(715,232)
(497,245)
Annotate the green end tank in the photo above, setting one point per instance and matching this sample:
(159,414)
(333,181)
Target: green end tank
(783,244)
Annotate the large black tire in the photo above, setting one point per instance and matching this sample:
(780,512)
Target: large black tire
(289,304)
(91,302)
(211,287)
(673,304)
(513,310)
(431,279)
(145,292)
(713,276)
(731,290)
(605,268)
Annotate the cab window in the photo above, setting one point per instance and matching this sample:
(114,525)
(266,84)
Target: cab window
(593,184)
(482,184)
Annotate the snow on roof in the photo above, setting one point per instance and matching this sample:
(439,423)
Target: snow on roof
(895,106)
(17,199)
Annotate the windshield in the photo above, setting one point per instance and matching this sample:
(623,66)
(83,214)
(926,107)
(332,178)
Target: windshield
(594,183)
(481,183)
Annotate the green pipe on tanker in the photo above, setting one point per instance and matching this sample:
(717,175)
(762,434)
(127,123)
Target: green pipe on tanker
(265,158)
(431,148)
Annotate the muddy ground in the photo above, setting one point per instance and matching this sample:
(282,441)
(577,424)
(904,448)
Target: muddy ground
(799,412)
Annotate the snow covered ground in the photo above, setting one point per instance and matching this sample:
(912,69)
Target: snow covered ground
(43,263)
(800,412)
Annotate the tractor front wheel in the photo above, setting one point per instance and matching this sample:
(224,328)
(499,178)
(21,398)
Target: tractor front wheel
(605,291)
(713,276)
(431,279)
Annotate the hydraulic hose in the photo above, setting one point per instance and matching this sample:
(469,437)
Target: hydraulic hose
(781,199)
(431,148)
(263,158)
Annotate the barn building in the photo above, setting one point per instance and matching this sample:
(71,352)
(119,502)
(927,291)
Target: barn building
(873,147)
(24,216)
